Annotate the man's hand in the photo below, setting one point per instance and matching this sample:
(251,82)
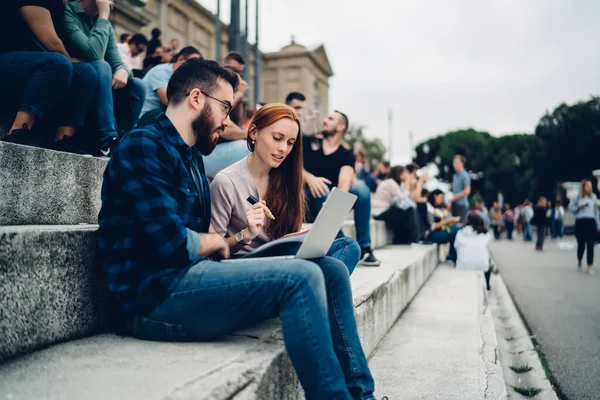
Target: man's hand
(104,8)
(224,252)
(318,186)
(243,86)
(75,60)
(120,78)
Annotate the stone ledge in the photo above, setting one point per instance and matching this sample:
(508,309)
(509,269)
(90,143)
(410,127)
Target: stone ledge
(47,187)
(248,365)
(50,290)
(61,292)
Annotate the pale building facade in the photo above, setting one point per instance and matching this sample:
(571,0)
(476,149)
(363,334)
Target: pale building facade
(293,68)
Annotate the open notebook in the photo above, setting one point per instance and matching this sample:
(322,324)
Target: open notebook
(315,242)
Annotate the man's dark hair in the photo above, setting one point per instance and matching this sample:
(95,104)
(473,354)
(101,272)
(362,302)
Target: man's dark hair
(124,37)
(156,33)
(344,119)
(294,96)
(138,39)
(186,52)
(462,158)
(412,167)
(197,73)
(386,164)
(235,56)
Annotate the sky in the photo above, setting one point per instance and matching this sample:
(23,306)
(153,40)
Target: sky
(441,65)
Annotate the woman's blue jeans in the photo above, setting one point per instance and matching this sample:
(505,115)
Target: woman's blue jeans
(312,298)
(442,236)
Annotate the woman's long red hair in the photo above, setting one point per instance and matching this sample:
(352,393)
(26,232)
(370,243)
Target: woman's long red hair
(285,195)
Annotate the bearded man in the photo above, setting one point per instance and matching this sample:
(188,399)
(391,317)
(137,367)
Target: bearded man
(160,255)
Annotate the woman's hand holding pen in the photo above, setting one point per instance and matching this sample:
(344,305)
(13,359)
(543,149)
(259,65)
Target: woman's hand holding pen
(255,215)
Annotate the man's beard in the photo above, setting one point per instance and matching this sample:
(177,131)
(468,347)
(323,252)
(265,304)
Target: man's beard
(203,129)
(327,134)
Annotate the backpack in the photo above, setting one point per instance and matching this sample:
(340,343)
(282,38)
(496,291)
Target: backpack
(522,218)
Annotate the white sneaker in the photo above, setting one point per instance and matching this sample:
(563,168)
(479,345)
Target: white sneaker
(591,271)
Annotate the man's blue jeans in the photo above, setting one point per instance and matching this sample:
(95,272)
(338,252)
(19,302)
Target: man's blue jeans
(104,114)
(527,233)
(45,81)
(362,211)
(312,298)
(128,103)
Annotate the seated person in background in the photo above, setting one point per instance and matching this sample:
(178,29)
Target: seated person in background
(471,246)
(327,164)
(120,95)
(131,51)
(124,38)
(153,59)
(272,174)
(442,226)
(393,205)
(232,145)
(159,254)
(235,61)
(156,82)
(39,73)
(155,42)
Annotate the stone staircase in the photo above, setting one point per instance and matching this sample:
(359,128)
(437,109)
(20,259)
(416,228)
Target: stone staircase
(54,321)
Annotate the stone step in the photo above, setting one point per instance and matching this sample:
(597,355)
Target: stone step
(47,187)
(50,290)
(250,364)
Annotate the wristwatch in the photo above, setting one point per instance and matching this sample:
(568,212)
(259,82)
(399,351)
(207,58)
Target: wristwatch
(239,237)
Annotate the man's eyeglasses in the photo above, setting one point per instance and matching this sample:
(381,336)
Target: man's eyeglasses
(227,105)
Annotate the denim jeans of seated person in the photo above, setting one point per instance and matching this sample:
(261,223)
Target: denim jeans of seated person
(312,298)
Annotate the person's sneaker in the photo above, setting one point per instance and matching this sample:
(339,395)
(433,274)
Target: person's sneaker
(68,145)
(106,150)
(23,136)
(590,271)
(368,259)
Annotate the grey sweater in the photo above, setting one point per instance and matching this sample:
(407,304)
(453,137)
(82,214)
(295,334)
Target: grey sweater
(229,192)
(590,211)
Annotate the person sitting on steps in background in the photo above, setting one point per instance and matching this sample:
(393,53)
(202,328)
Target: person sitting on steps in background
(156,82)
(41,75)
(120,95)
(471,246)
(442,226)
(328,164)
(273,174)
(159,252)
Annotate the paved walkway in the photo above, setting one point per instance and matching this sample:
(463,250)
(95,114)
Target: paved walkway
(443,345)
(561,307)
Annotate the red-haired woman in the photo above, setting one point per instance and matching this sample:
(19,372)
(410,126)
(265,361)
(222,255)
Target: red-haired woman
(273,174)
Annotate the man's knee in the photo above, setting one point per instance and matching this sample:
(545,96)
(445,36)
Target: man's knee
(62,66)
(361,190)
(334,269)
(307,274)
(102,67)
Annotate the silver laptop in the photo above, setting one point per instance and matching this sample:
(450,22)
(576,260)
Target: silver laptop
(323,232)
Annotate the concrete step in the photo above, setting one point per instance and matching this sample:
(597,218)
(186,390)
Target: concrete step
(380,236)
(47,187)
(447,327)
(50,290)
(251,364)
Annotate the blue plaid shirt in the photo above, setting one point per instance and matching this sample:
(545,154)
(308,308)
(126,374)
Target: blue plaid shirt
(155,197)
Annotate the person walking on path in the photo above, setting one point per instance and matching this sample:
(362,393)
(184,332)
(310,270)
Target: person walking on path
(540,219)
(525,218)
(461,188)
(587,221)
(496,220)
(471,246)
(557,223)
(509,221)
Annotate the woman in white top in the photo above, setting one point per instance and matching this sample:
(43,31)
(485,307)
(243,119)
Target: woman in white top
(272,173)
(471,246)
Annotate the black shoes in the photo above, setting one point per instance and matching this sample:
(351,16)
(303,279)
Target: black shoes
(368,259)
(106,150)
(68,145)
(23,136)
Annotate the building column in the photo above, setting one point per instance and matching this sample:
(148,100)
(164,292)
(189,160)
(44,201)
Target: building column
(163,9)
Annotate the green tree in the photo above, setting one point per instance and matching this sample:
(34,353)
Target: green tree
(374,148)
